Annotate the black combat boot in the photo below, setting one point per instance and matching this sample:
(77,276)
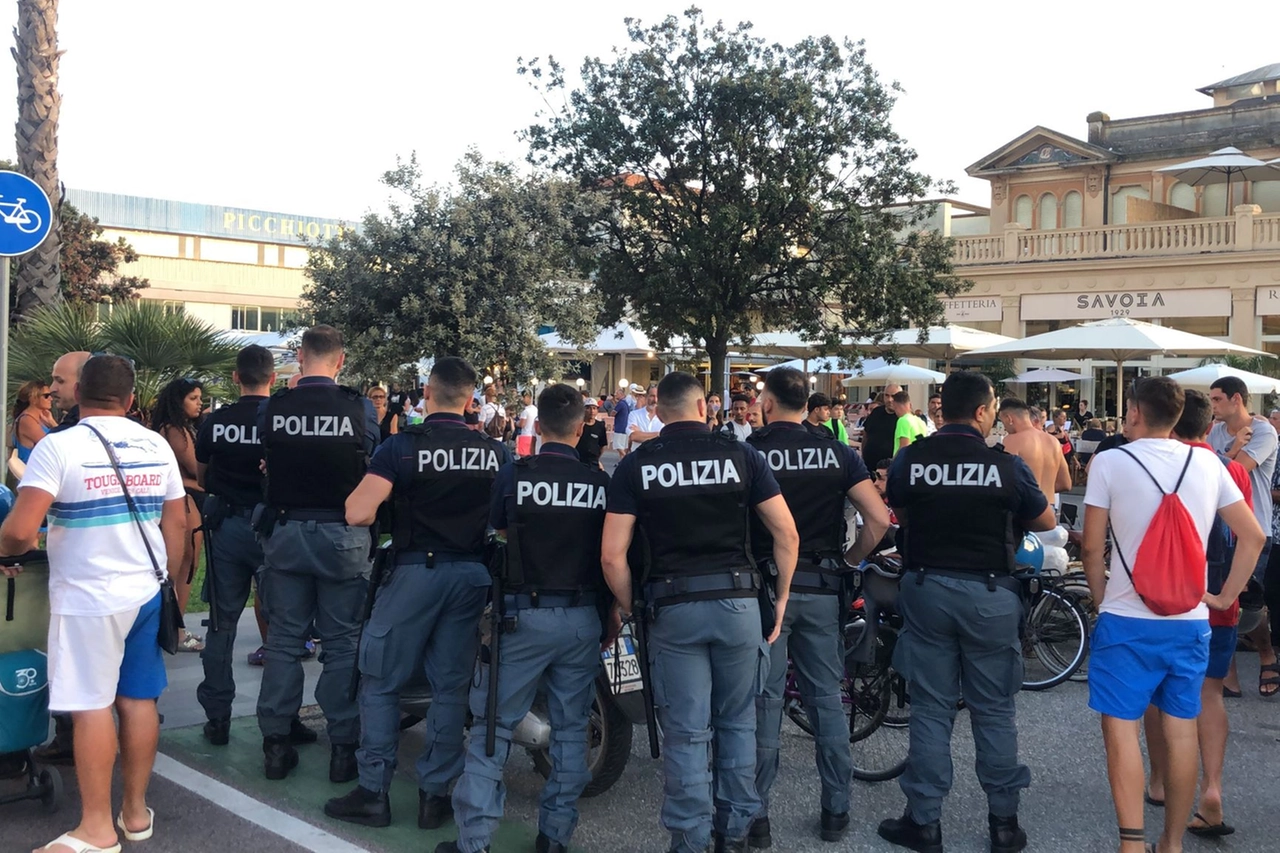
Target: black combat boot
(218,732)
(724,845)
(905,832)
(342,763)
(545,845)
(1006,835)
(452,847)
(300,735)
(834,825)
(362,806)
(759,836)
(433,810)
(279,756)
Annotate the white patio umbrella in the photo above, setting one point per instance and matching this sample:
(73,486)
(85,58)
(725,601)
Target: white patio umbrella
(1118,339)
(824,365)
(1205,375)
(621,339)
(1045,374)
(942,343)
(900,374)
(1220,167)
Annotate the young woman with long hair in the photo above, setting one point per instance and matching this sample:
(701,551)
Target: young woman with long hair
(176,416)
(32,416)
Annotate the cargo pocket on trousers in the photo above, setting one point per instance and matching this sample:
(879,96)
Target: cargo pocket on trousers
(762,668)
(373,650)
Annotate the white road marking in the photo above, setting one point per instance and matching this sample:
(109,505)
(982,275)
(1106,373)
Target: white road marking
(273,820)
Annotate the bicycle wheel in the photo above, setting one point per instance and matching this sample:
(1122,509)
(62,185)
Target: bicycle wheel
(879,751)
(794,709)
(1055,642)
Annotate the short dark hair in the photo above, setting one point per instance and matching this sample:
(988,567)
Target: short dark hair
(1231,386)
(453,379)
(560,409)
(106,382)
(902,398)
(1014,404)
(818,400)
(935,396)
(963,392)
(677,390)
(1197,416)
(789,387)
(322,341)
(1161,400)
(884,463)
(740,398)
(255,365)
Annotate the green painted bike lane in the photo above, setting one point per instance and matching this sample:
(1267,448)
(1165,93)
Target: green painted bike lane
(304,792)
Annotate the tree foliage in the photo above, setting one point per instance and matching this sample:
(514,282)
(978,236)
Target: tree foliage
(751,186)
(473,269)
(90,265)
(162,346)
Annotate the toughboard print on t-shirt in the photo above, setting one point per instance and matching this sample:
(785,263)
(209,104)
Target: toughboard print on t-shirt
(98,562)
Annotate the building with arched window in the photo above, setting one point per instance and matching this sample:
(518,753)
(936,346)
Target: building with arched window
(1086,228)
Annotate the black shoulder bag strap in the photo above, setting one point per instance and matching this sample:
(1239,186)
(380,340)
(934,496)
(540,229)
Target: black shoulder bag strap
(1115,540)
(170,617)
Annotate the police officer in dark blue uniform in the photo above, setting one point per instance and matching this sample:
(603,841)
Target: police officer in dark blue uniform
(816,474)
(962,507)
(688,495)
(316,439)
(440,475)
(229,460)
(551,509)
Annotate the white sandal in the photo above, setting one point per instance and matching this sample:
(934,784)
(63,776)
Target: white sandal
(142,835)
(190,642)
(76,845)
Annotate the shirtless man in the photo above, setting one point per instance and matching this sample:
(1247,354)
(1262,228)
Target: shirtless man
(1041,451)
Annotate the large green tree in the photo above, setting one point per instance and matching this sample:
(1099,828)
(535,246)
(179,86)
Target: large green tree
(751,186)
(474,269)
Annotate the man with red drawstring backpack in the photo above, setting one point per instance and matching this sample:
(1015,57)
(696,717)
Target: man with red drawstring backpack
(1158,498)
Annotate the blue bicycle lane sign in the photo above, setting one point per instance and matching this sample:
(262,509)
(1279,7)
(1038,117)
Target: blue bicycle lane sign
(25,214)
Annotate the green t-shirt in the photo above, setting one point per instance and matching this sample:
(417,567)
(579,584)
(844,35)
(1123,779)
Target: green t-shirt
(908,427)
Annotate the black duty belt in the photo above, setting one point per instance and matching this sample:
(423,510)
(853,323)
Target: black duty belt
(433,558)
(817,574)
(990,579)
(324,516)
(532,600)
(241,511)
(741,583)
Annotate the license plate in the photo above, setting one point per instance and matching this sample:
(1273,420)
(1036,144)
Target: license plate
(622,670)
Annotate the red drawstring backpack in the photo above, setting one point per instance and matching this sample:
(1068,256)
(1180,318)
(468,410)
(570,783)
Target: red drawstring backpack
(1169,570)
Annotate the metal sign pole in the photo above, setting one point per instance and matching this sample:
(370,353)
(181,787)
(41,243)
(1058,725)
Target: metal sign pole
(4,353)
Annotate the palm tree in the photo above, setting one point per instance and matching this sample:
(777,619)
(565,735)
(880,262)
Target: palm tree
(162,346)
(39,103)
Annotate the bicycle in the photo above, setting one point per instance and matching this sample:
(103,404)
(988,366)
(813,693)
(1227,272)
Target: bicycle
(26,221)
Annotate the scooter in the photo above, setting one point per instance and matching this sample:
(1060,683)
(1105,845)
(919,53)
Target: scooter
(617,708)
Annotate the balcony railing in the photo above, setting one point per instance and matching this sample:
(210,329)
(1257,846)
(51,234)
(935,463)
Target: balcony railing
(1247,231)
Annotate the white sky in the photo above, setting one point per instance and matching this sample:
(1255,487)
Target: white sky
(299,106)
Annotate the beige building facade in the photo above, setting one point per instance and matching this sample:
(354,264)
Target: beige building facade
(1084,229)
(238,269)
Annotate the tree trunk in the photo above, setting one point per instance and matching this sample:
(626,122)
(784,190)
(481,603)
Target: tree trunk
(717,355)
(36,54)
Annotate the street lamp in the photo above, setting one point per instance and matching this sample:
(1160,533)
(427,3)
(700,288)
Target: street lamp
(759,385)
(488,380)
(813,380)
(580,383)
(623,383)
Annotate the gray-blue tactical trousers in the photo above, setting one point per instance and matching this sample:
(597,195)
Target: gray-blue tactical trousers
(557,648)
(315,571)
(237,557)
(959,636)
(423,619)
(811,637)
(708,663)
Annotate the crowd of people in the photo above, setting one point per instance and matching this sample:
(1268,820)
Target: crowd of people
(485,504)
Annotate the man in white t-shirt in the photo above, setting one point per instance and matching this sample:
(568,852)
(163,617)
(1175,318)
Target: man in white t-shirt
(644,424)
(1139,658)
(104,596)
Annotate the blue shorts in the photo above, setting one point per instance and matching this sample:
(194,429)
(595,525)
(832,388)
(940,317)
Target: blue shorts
(1136,662)
(142,672)
(1222,648)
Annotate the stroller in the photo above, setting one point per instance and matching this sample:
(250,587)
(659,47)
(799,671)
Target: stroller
(24,684)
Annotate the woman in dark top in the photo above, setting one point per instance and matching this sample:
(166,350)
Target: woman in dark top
(594,438)
(388,422)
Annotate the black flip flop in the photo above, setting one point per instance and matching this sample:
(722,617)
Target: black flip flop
(1210,830)
(1152,801)
(1228,693)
